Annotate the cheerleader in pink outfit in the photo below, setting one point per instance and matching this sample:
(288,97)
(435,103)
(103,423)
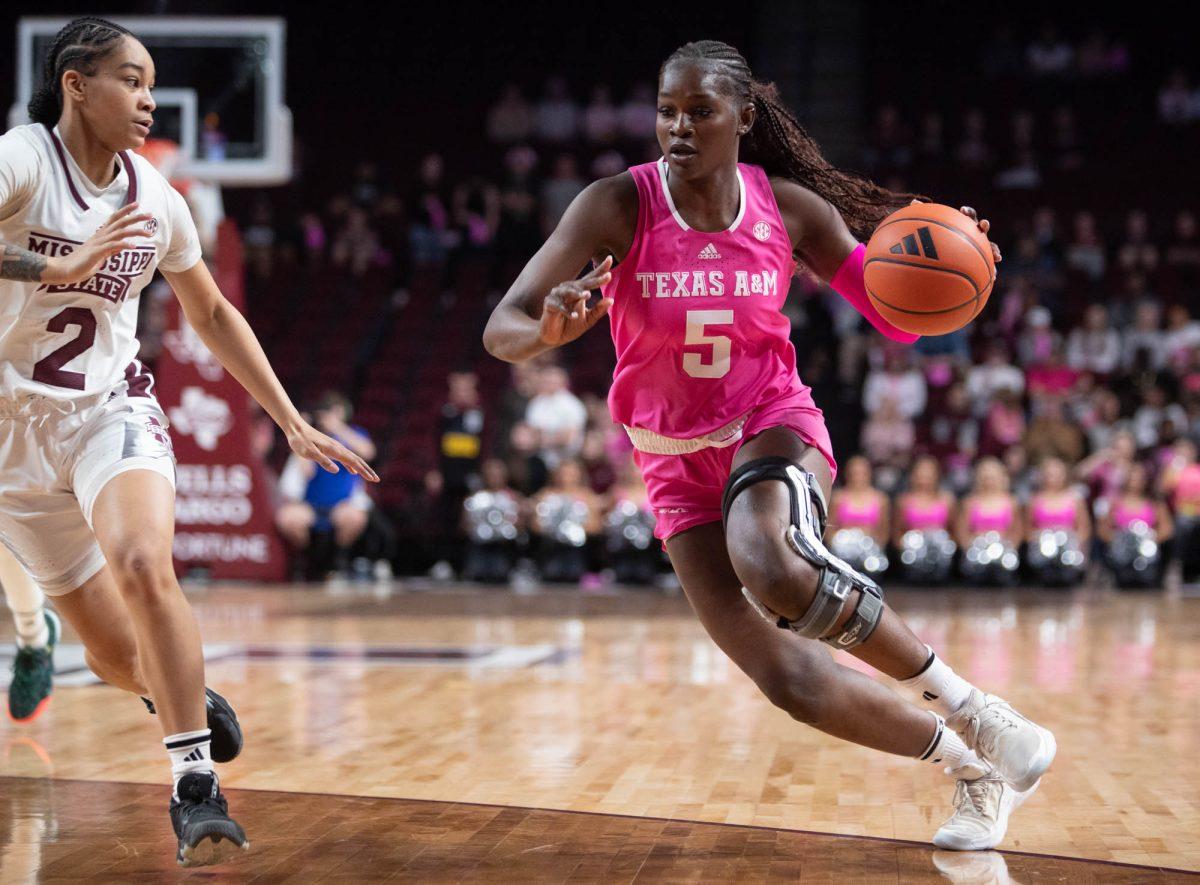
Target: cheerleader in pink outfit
(858,504)
(921,526)
(1132,505)
(1058,528)
(990,507)
(694,255)
(1136,530)
(1058,506)
(926,506)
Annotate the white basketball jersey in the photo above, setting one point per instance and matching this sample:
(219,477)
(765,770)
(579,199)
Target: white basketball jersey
(77,340)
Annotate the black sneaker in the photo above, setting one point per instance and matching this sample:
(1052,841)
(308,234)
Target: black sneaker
(200,816)
(222,722)
(33,676)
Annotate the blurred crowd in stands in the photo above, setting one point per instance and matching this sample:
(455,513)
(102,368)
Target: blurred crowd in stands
(1071,405)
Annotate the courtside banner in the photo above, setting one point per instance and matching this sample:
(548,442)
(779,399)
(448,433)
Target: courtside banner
(223,507)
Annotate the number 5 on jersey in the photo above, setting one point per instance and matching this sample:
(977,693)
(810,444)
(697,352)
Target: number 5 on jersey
(694,363)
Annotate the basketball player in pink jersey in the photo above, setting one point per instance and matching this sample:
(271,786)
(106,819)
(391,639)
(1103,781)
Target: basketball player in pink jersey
(86,468)
(693,255)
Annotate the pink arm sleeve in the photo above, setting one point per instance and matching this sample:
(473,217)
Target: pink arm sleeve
(848,282)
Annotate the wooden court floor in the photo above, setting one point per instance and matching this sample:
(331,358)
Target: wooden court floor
(413,734)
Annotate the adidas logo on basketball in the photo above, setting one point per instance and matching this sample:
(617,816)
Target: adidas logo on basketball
(710,251)
(908,245)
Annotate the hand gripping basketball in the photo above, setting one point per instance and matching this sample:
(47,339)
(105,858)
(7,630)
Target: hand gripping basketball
(565,312)
(930,269)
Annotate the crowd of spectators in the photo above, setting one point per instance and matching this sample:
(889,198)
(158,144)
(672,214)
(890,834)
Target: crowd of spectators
(559,497)
(1088,353)
(549,149)
(1049,54)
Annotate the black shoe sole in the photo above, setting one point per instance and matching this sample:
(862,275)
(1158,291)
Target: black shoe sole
(218,842)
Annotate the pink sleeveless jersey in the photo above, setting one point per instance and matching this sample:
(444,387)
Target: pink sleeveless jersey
(1053,516)
(982,520)
(1124,516)
(851,515)
(918,517)
(696,319)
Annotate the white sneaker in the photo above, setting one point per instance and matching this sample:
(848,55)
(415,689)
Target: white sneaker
(982,805)
(1020,750)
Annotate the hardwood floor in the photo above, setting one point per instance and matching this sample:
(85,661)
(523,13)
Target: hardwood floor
(63,830)
(612,705)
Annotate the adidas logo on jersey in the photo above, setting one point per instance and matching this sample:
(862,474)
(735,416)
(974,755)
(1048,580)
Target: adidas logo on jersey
(710,251)
(908,245)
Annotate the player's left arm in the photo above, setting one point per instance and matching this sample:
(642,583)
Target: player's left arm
(822,241)
(227,334)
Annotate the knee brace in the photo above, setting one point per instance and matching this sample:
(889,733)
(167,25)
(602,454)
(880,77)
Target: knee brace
(835,578)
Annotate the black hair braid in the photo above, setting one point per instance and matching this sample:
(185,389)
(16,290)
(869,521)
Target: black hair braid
(77,47)
(779,144)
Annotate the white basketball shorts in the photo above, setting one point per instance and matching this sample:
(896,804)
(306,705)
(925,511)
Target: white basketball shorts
(55,457)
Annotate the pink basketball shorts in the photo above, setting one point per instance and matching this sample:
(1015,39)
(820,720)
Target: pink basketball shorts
(685,490)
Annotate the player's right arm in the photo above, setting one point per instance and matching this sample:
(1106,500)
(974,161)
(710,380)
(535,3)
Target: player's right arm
(21,169)
(119,233)
(547,305)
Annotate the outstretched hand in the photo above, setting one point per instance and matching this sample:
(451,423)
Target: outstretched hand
(565,312)
(308,442)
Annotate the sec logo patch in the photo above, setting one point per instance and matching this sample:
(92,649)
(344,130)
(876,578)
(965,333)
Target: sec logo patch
(762,231)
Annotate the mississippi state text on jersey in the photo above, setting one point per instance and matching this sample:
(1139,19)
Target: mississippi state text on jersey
(77,340)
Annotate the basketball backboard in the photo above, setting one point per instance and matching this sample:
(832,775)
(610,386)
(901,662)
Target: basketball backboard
(219,89)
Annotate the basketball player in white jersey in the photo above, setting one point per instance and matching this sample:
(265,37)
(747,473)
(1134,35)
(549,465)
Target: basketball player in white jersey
(38,630)
(86,467)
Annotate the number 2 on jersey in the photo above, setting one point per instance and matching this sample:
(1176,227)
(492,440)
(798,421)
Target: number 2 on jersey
(693,363)
(49,369)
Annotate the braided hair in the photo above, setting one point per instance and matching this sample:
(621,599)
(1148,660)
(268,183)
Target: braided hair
(77,47)
(779,144)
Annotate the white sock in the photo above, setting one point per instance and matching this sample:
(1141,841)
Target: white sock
(939,686)
(189,752)
(32,630)
(947,749)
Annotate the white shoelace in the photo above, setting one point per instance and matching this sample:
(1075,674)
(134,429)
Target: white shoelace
(974,725)
(979,795)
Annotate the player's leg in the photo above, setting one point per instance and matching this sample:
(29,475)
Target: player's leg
(26,602)
(774,519)
(801,677)
(133,520)
(797,675)
(38,631)
(99,616)
(133,517)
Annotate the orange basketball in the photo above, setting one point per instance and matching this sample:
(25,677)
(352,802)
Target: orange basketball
(929,269)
